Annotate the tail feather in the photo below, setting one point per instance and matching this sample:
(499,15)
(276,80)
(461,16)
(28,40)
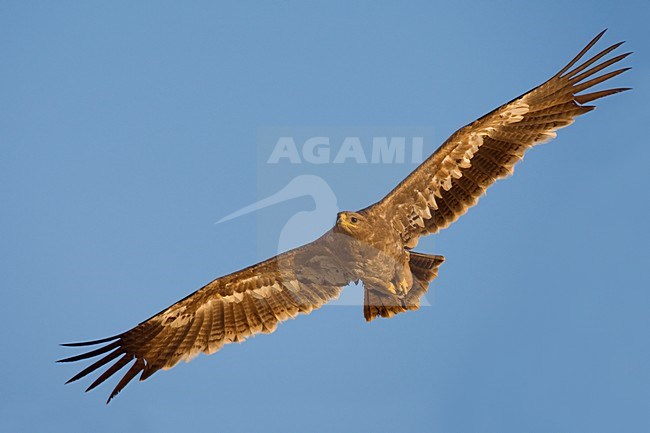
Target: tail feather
(424,268)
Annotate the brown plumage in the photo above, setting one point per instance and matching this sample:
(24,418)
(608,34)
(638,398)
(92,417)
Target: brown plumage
(372,245)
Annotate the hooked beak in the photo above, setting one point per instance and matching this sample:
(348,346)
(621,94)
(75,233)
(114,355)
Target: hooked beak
(342,220)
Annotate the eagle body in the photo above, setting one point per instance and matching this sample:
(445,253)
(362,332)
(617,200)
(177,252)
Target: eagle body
(376,251)
(373,245)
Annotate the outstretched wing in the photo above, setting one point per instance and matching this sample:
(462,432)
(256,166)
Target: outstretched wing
(443,187)
(229,309)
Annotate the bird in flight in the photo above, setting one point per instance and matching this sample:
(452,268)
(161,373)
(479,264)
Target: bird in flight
(373,245)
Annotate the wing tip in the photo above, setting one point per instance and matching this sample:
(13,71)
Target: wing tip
(92,353)
(585,50)
(96,365)
(117,366)
(588,97)
(136,368)
(117,351)
(91,342)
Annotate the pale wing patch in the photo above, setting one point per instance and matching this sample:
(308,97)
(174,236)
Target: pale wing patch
(514,112)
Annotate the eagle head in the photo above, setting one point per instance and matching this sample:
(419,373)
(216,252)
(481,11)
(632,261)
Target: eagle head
(352,223)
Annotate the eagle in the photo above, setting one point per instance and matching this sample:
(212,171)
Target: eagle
(373,245)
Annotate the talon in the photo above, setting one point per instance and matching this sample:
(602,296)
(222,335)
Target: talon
(404,287)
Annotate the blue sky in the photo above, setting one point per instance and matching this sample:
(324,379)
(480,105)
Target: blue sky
(127,130)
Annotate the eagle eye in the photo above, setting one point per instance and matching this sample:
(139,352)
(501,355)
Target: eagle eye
(354,220)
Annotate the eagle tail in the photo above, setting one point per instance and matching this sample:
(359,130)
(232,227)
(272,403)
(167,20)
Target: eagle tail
(424,268)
